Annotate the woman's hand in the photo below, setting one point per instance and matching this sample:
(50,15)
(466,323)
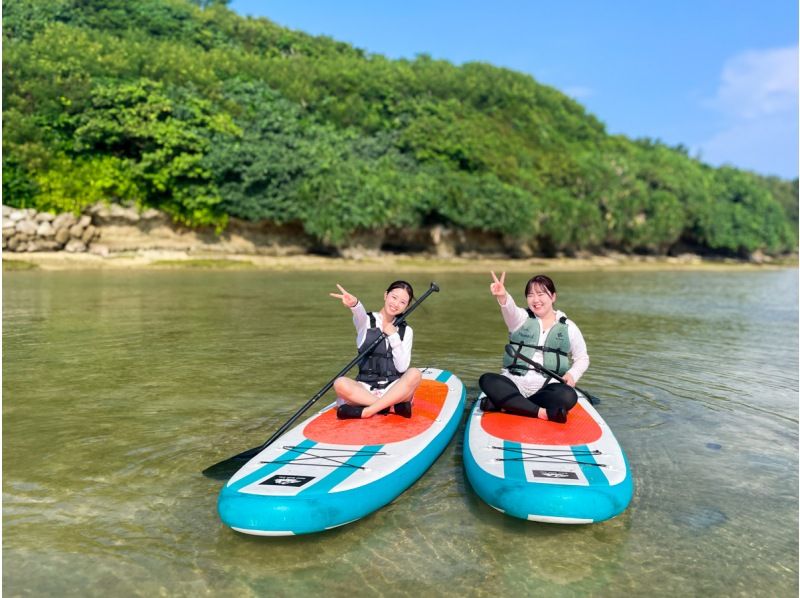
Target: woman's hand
(498,288)
(568,380)
(348,300)
(389,329)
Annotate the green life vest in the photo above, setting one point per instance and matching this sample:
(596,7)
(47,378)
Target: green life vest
(526,338)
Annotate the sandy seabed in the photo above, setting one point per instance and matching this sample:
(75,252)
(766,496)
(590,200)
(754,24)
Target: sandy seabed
(164,259)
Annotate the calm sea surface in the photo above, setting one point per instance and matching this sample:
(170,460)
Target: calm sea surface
(120,387)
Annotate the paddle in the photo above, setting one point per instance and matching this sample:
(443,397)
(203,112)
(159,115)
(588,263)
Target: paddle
(543,370)
(224,469)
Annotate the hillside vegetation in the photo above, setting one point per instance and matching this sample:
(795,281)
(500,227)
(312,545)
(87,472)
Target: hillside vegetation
(208,115)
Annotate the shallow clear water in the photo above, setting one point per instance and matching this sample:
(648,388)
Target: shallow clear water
(120,387)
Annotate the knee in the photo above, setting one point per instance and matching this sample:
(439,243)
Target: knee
(492,383)
(573,398)
(413,375)
(340,385)
(566,396)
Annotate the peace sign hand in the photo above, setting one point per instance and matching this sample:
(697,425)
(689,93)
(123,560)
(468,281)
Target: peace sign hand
(498,288)
(348,300)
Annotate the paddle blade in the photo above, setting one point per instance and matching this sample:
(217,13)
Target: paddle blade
(225,469)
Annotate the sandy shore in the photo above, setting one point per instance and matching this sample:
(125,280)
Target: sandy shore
(152,259)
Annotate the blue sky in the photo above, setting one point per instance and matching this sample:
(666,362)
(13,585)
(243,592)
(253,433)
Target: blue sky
(719,77)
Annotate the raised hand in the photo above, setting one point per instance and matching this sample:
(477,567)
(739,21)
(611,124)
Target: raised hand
(498,288)
(348,300)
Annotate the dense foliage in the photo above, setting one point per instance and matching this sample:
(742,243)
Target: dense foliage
(193,109)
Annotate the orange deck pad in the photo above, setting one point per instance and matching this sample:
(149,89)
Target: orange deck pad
(381,429)
(579,429)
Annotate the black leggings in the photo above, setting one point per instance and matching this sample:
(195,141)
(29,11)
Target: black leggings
(556,398)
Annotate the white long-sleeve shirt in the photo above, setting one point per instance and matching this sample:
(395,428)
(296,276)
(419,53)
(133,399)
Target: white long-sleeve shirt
(401,348)
(532,380)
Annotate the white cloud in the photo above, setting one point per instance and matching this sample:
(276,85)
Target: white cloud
(757,99)
(759,83)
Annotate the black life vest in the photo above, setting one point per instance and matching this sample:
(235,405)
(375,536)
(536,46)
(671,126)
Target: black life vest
(377,367)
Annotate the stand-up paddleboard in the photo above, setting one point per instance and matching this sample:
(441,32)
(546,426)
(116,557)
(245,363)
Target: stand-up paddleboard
(326,472)
(545,471)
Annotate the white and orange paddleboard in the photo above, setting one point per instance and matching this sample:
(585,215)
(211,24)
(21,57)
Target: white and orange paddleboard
(326,472)
(545,471)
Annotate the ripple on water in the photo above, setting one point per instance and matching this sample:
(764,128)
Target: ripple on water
(143,380)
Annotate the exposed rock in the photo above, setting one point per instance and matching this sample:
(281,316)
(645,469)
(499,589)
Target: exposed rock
(44,217)
(118,212)
(100,250)
(76,231)
(363,244)
(443,242)
(124,228)
(62,235)
(45,229)
(157,232)
(100,211)
(470,243)
(26,227)
(89,234)
(64,220)
(758,257)
(401,240)
(152,214)
(75,246)
(688,258)
(42,245)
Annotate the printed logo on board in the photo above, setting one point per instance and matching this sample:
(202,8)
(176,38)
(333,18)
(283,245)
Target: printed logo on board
(554,475)
(287,480)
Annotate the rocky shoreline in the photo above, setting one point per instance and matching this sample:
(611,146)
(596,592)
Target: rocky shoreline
(107,229)
(115,236)
(26,230)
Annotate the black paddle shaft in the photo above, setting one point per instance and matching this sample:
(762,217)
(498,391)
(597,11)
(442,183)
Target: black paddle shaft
(543,370)
(434,288)
(222,470)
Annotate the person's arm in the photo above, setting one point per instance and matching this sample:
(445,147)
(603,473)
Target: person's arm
(401,349)
(360,321)
(513,316)
(360,317)
(580,356)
